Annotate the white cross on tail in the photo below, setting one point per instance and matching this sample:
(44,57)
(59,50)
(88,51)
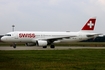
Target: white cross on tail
(90,24)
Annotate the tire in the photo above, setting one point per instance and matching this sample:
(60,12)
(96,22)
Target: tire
(52,46)
(44,46)
(14,45)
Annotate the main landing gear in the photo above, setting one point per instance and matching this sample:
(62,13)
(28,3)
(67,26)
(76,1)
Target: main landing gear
(51,46)
(44,46)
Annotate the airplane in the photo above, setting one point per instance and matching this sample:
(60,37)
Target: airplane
(43,39)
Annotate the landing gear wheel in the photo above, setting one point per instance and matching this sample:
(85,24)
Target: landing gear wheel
(44,46)
(14,45)
(52,46)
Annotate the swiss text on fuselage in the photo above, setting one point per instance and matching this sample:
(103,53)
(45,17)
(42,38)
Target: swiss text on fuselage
(26,35)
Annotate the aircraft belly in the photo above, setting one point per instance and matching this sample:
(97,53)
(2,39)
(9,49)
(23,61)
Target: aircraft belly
(16,40)
(24,40)
(69,40)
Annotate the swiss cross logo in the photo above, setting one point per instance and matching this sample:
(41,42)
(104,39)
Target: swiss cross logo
(90,24)
(26,35)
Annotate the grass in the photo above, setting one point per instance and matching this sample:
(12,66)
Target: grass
(86,59)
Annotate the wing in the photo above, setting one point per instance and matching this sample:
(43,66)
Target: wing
(52,39)
(56,38)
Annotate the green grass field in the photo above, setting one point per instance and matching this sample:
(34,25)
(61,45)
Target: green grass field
(84,59)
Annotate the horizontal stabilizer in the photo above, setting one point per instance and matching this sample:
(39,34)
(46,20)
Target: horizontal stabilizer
(94,35)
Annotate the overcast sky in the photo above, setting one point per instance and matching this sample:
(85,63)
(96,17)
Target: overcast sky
(50,15)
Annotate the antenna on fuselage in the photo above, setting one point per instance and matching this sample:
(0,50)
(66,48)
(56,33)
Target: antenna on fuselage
(13,27)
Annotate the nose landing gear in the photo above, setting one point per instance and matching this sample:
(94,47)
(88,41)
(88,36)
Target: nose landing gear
(13,45)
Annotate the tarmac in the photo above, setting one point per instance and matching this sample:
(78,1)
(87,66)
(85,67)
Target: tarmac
(48,48)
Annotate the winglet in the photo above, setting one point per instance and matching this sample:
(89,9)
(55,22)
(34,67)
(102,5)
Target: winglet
(89,25)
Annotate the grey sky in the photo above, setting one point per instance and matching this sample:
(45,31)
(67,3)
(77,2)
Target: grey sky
(50,15)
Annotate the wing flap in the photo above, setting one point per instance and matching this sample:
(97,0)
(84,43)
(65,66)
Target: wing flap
(55,38)
(93,35)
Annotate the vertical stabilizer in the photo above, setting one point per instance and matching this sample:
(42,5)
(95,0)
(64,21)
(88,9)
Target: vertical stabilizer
(89,26)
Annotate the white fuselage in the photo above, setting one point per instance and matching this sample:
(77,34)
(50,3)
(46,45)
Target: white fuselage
(28,37)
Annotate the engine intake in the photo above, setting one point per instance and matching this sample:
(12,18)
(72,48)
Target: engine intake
(41,43)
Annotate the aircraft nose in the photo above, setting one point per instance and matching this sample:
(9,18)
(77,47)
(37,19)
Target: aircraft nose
(3,39)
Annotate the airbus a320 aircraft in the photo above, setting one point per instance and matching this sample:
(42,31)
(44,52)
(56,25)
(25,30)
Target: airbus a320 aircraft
(44,39)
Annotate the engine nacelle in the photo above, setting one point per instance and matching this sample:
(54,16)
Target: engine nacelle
(30,44)
(41,43)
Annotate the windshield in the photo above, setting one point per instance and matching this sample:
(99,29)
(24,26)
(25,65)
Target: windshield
(7,35)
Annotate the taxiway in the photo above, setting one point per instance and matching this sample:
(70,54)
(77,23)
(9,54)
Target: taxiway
(48,48)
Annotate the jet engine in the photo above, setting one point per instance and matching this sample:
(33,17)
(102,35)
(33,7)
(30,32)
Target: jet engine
(41,43)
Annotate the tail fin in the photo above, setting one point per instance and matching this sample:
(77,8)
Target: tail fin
(89,26)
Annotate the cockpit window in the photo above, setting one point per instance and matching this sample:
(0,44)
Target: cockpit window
(7,35)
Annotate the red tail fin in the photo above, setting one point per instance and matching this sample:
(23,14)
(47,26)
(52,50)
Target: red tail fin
(90,24)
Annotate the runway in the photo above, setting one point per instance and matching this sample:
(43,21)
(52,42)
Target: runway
(48,48)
